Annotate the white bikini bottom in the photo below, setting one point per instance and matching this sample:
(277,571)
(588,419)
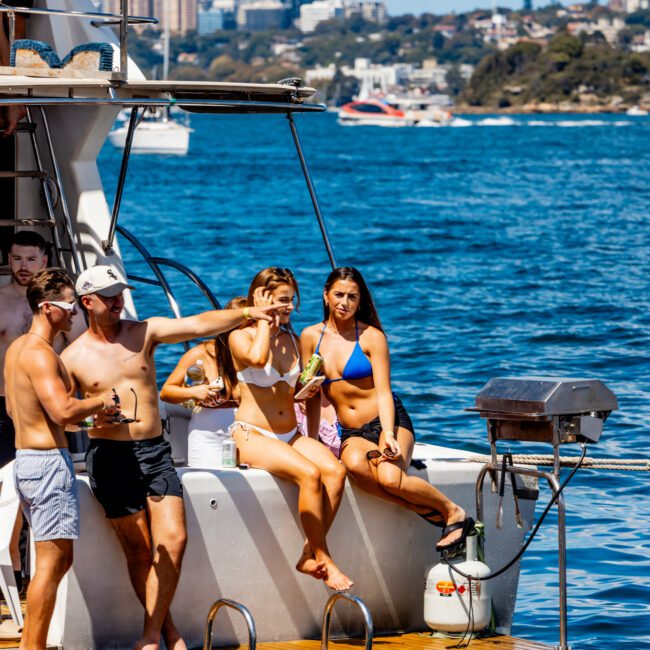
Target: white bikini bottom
(247,428)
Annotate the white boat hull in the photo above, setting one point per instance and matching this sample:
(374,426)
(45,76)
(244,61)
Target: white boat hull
(244,540)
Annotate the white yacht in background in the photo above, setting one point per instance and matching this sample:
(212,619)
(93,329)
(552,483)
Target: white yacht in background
(156,132)
(636,111)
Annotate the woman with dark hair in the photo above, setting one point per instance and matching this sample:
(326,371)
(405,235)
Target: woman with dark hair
(215,399)
(267,360)
(377,435)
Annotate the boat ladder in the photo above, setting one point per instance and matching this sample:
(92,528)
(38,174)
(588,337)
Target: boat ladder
(65,248)
(226,602)
(327,618)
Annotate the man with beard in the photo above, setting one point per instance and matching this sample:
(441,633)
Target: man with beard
(27,256)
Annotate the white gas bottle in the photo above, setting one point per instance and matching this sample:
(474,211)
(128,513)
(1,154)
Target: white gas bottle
(447,594)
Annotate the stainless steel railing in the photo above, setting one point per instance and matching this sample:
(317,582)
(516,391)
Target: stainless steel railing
(327,616)
(238,607)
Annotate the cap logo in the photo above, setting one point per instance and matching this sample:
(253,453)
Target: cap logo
(110,274)
(86,285)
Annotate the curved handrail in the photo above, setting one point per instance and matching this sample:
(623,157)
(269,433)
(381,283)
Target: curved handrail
(187,272)
(327,615)
(154,267)
(226,602)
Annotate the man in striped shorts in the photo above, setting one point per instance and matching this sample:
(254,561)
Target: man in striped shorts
(38,400)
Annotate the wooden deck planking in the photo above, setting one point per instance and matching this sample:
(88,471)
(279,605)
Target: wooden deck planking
(409,642)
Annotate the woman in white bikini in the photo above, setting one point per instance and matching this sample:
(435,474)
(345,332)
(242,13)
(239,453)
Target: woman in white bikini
(216,399)
(267,360)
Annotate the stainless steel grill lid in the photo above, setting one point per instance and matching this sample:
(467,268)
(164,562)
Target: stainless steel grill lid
(533,396)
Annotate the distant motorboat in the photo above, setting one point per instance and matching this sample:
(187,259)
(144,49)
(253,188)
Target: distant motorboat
(393,111)
(372,112)
(155,133)
(635,111)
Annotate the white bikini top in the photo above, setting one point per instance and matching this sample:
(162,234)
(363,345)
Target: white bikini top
(269,376)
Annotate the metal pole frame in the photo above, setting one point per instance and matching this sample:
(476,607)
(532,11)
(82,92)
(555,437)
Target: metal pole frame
(327,618)
(312,191)
(226,602)
(124,37)
(553,481)
(107,244)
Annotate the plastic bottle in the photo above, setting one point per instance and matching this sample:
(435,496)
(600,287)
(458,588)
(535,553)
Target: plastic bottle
(194,376)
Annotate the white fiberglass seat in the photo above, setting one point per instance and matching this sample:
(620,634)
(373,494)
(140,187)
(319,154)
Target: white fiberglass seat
(9,506)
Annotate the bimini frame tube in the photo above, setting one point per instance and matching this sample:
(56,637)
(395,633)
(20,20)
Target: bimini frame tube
(312,191)
(107,244)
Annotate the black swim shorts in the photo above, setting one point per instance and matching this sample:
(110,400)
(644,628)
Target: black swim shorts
(372,430)
(123,474)
(7,435)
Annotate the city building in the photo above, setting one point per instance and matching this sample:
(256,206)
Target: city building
(321,10)
(263,15)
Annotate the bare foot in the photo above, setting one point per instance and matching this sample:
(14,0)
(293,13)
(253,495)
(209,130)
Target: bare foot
(146,644)
(308,564)
(336,579)
(13,115)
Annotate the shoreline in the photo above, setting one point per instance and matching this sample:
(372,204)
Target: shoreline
(541,109)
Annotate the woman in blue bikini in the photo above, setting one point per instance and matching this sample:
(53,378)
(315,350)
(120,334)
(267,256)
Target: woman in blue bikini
(377,435)
(267,361)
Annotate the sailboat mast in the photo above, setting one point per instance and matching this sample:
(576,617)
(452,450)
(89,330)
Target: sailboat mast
(166,43)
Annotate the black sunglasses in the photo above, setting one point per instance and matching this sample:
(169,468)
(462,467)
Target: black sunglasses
(122,419)
(374,454)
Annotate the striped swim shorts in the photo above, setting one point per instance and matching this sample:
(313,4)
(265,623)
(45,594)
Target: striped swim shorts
(47,489)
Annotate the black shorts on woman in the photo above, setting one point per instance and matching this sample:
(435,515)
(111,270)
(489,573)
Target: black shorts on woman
(372,430)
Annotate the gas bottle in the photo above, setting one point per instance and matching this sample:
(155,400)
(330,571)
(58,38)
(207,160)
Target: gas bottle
(447,594)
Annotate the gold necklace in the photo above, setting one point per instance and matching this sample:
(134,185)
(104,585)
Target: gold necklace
(40,337)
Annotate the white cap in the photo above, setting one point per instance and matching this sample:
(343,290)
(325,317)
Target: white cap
(107,281)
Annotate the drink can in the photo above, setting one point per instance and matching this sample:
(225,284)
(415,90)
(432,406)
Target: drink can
(312,368)
(229,453)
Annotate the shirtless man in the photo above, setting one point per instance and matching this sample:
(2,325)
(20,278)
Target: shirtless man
(26,256)
(38,399)
(130,465)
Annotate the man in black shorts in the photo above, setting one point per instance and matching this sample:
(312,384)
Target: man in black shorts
(129,464)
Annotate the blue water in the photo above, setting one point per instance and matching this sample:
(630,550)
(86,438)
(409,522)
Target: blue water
(514,247)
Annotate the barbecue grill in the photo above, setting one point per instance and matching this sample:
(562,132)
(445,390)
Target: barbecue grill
(544,409)
(541,409)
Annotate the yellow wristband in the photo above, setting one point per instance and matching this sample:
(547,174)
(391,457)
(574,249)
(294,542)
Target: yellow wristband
(247,313)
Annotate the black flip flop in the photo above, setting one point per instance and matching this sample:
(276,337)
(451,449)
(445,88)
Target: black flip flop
(425,515)
(467,526)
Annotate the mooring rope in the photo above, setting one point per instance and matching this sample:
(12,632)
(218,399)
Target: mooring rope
(621,464)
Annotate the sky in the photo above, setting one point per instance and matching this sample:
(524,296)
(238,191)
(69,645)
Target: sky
(396,7)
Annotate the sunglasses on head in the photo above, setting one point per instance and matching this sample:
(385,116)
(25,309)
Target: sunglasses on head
(67,306)
(374,454)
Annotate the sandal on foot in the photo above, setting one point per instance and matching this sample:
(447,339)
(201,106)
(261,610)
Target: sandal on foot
(466,527)
(437,518)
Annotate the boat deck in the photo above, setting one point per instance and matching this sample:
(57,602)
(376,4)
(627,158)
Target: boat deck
(402,642)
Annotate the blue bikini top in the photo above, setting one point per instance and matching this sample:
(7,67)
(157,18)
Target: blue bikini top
(358,365)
